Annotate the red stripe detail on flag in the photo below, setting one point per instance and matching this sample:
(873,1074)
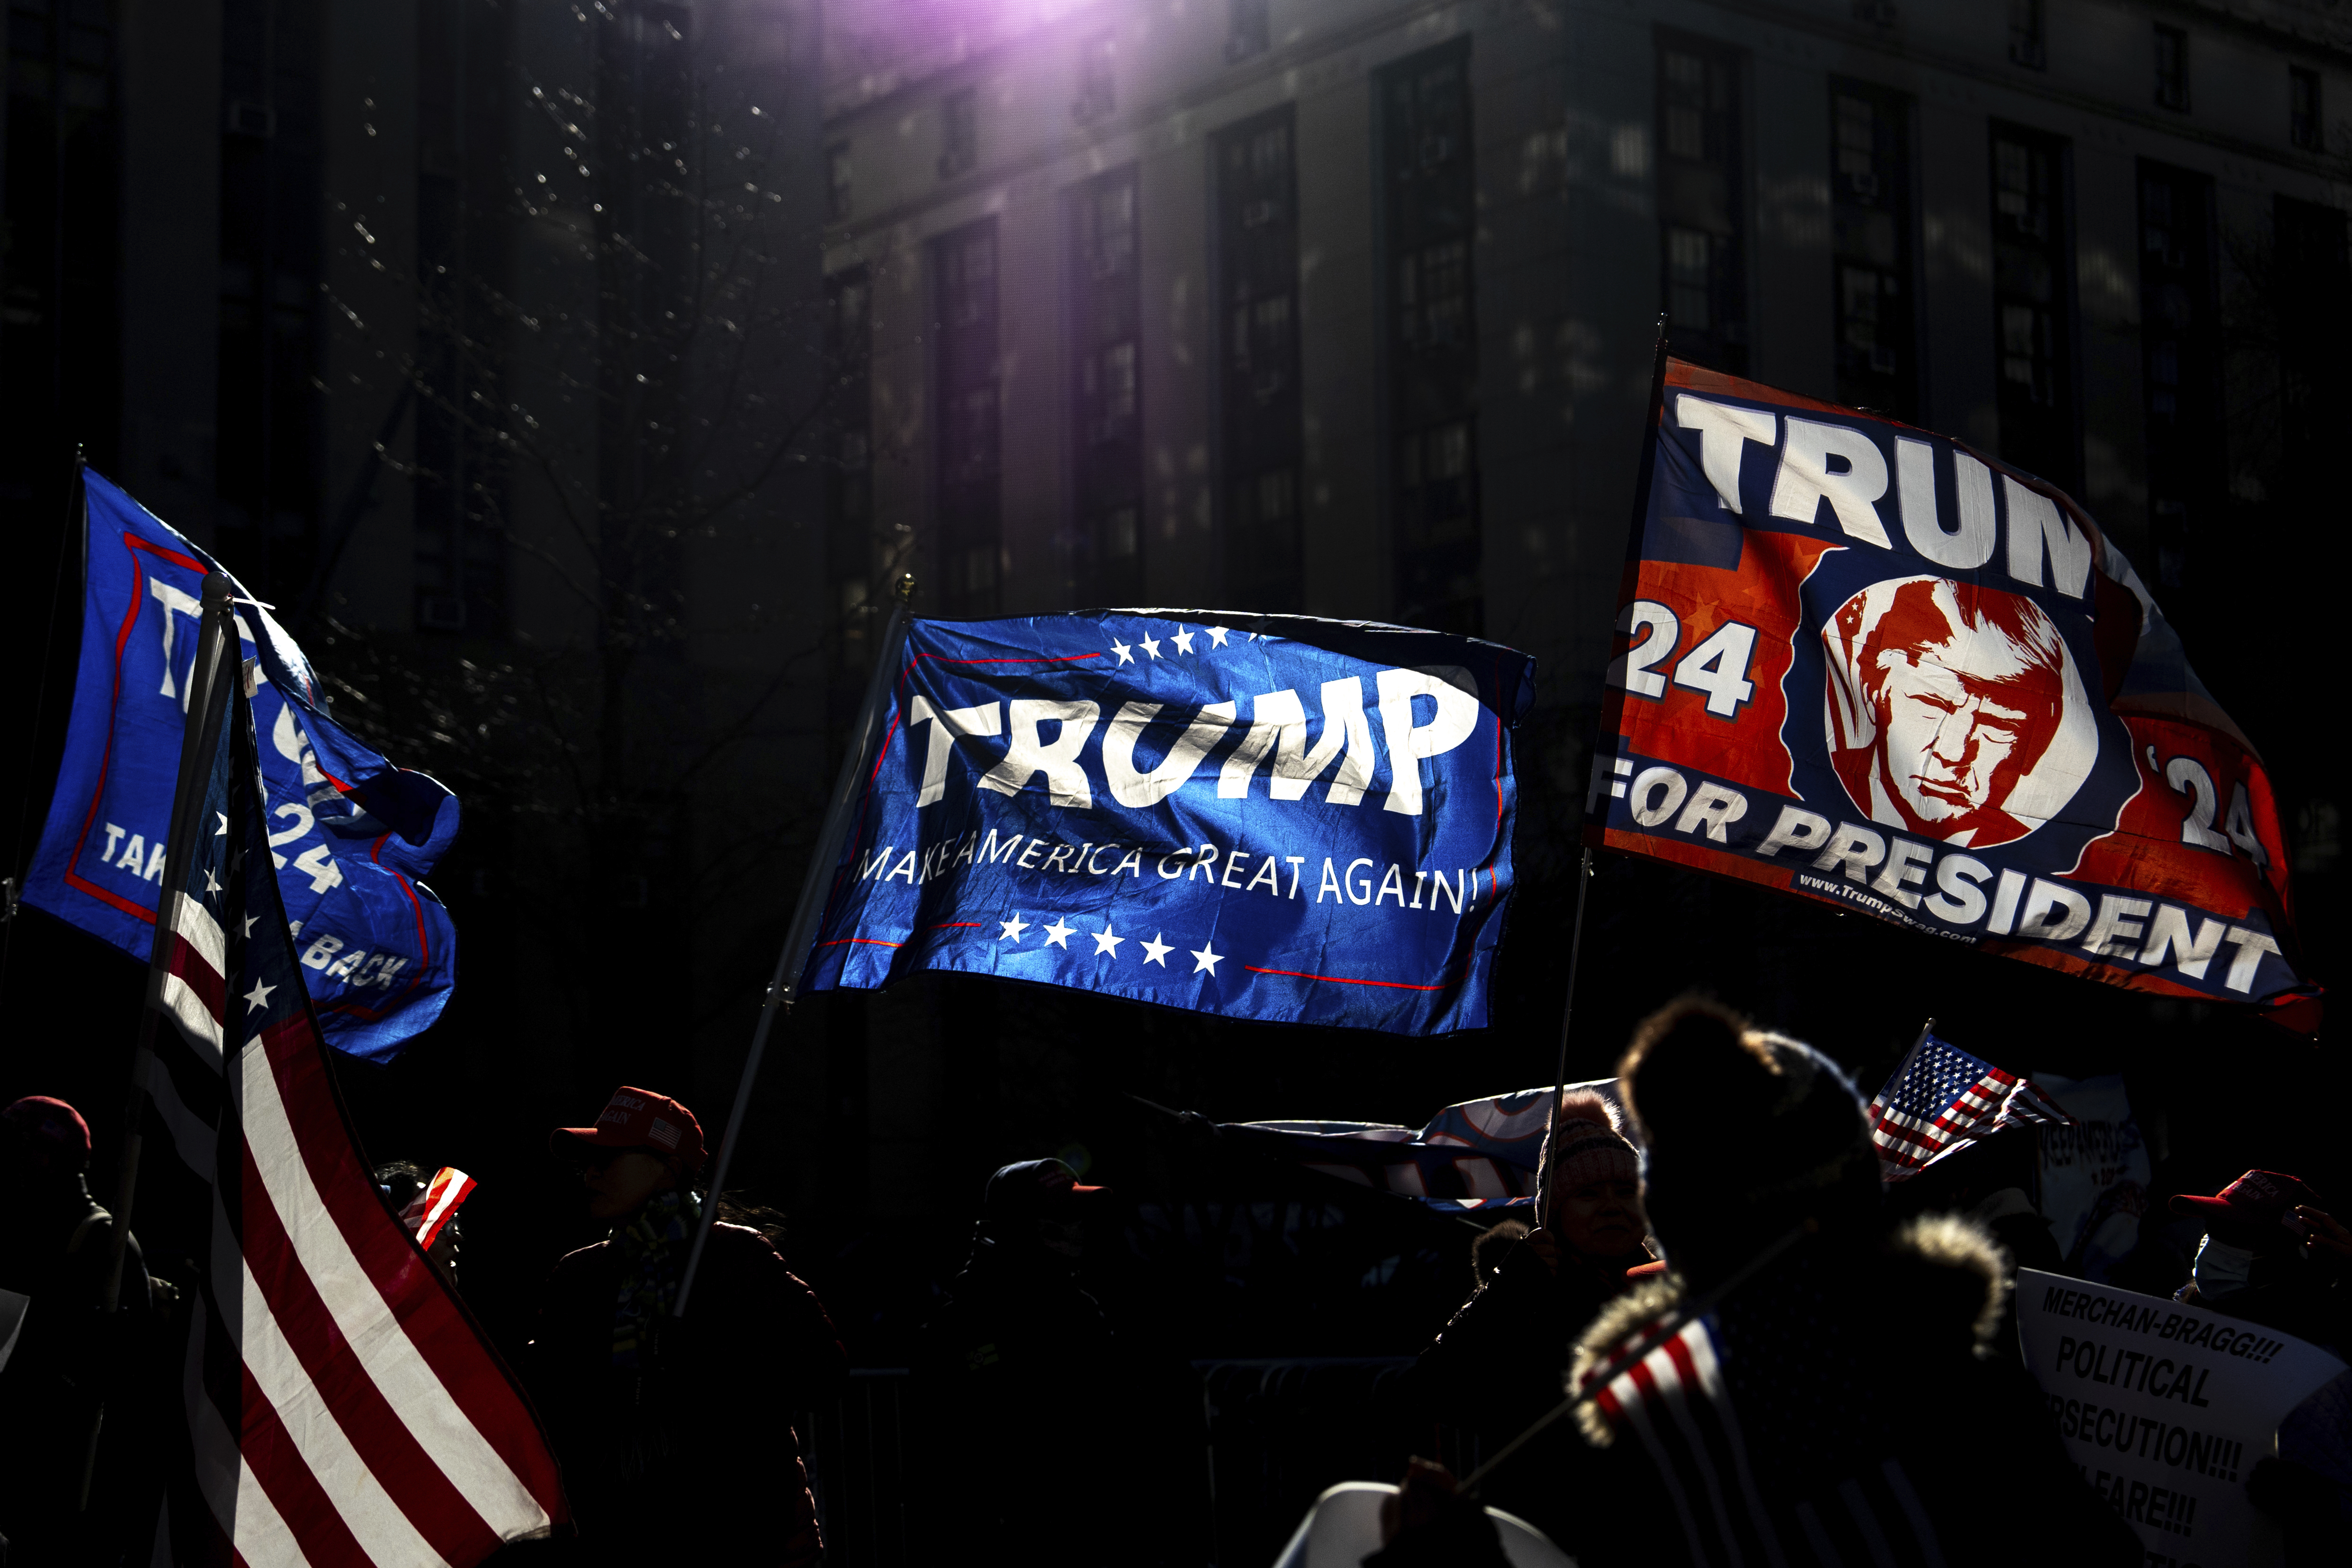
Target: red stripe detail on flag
(106,757)
(452,1346)
(1039,659)
(1677,1350)
(196,972)
(375,1430)
(268,1450)
(1342,979)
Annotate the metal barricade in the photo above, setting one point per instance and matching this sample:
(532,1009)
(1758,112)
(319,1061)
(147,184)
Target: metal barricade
(857,1455)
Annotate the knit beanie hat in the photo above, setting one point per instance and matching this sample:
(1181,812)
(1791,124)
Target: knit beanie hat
(1589,1146)
(1735,1118)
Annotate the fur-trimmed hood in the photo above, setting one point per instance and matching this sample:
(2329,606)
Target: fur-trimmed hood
(1945,1276)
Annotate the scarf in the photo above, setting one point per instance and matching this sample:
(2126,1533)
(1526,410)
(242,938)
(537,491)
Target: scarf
(653,1249)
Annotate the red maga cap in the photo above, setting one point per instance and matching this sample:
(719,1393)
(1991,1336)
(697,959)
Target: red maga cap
(2251,1210)
(639,1119)
(49,1131)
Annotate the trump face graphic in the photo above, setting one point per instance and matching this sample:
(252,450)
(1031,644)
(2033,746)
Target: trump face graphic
(1954,712)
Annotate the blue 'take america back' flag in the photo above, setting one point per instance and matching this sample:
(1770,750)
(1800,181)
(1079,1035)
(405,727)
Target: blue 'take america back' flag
(339,1406)
(351,836)
(1940,1100)
(1268,817)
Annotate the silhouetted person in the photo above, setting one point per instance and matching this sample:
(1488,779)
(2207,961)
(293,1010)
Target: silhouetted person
(1025,1364)
(60,1243)
(675,1434)
(1496,1365)
(2272,1256)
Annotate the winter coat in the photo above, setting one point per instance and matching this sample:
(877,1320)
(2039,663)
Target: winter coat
(691,1454)
(1023,1374)
(1863,1403)
(71,1358)
(1497,1364)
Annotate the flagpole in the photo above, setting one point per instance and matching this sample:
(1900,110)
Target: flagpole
(784,987)
(1567,1013)
(199,736)
(1651,413)
(202,725)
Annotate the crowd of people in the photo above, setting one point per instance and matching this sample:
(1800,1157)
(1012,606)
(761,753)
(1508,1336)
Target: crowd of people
(1885,1413)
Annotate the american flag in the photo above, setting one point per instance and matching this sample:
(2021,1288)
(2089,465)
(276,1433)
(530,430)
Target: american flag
(1826,1486)
(342,1406)
(1942,1099)
(437,1204)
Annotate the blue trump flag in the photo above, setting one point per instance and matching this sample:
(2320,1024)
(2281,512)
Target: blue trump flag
(1267,816)
(351,835)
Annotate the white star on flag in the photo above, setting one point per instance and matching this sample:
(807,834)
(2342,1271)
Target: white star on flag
(257,998)
(1217,635)
(1058,934)
(221,831)
(1151,646)
(1013,927)
(1204,956)
(210,885)
(1105,941)
(249,924)
(1126,650)
(1156,951)
(1184,642)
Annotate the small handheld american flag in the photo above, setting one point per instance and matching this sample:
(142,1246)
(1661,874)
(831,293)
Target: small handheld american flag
(1941,1099)
(437,1204)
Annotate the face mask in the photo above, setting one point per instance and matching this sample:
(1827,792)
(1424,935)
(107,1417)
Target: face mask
(2221,1268)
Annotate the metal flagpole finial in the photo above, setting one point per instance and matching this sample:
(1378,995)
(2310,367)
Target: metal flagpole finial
(906,589)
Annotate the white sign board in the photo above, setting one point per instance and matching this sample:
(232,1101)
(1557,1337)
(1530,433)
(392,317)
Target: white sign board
(2095,1174)
(2166,1407)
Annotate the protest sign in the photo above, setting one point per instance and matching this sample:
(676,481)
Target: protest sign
(1271,816)
(2166,1407)
(1862,663)
(2093,1174)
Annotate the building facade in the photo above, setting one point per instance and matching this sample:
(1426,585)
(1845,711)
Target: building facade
(1347,306)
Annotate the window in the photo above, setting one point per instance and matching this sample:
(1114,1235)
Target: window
(1701,210)
(2172,68)
(1870,229)
(2026,47)
(1097,96)
(1249,28)
(1104,548)
(1260,416)
(2034,298)
(2304,127)
(838,202)
(959,133)
(968,452)
(2179,315)
(1429,211)
(849,476)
